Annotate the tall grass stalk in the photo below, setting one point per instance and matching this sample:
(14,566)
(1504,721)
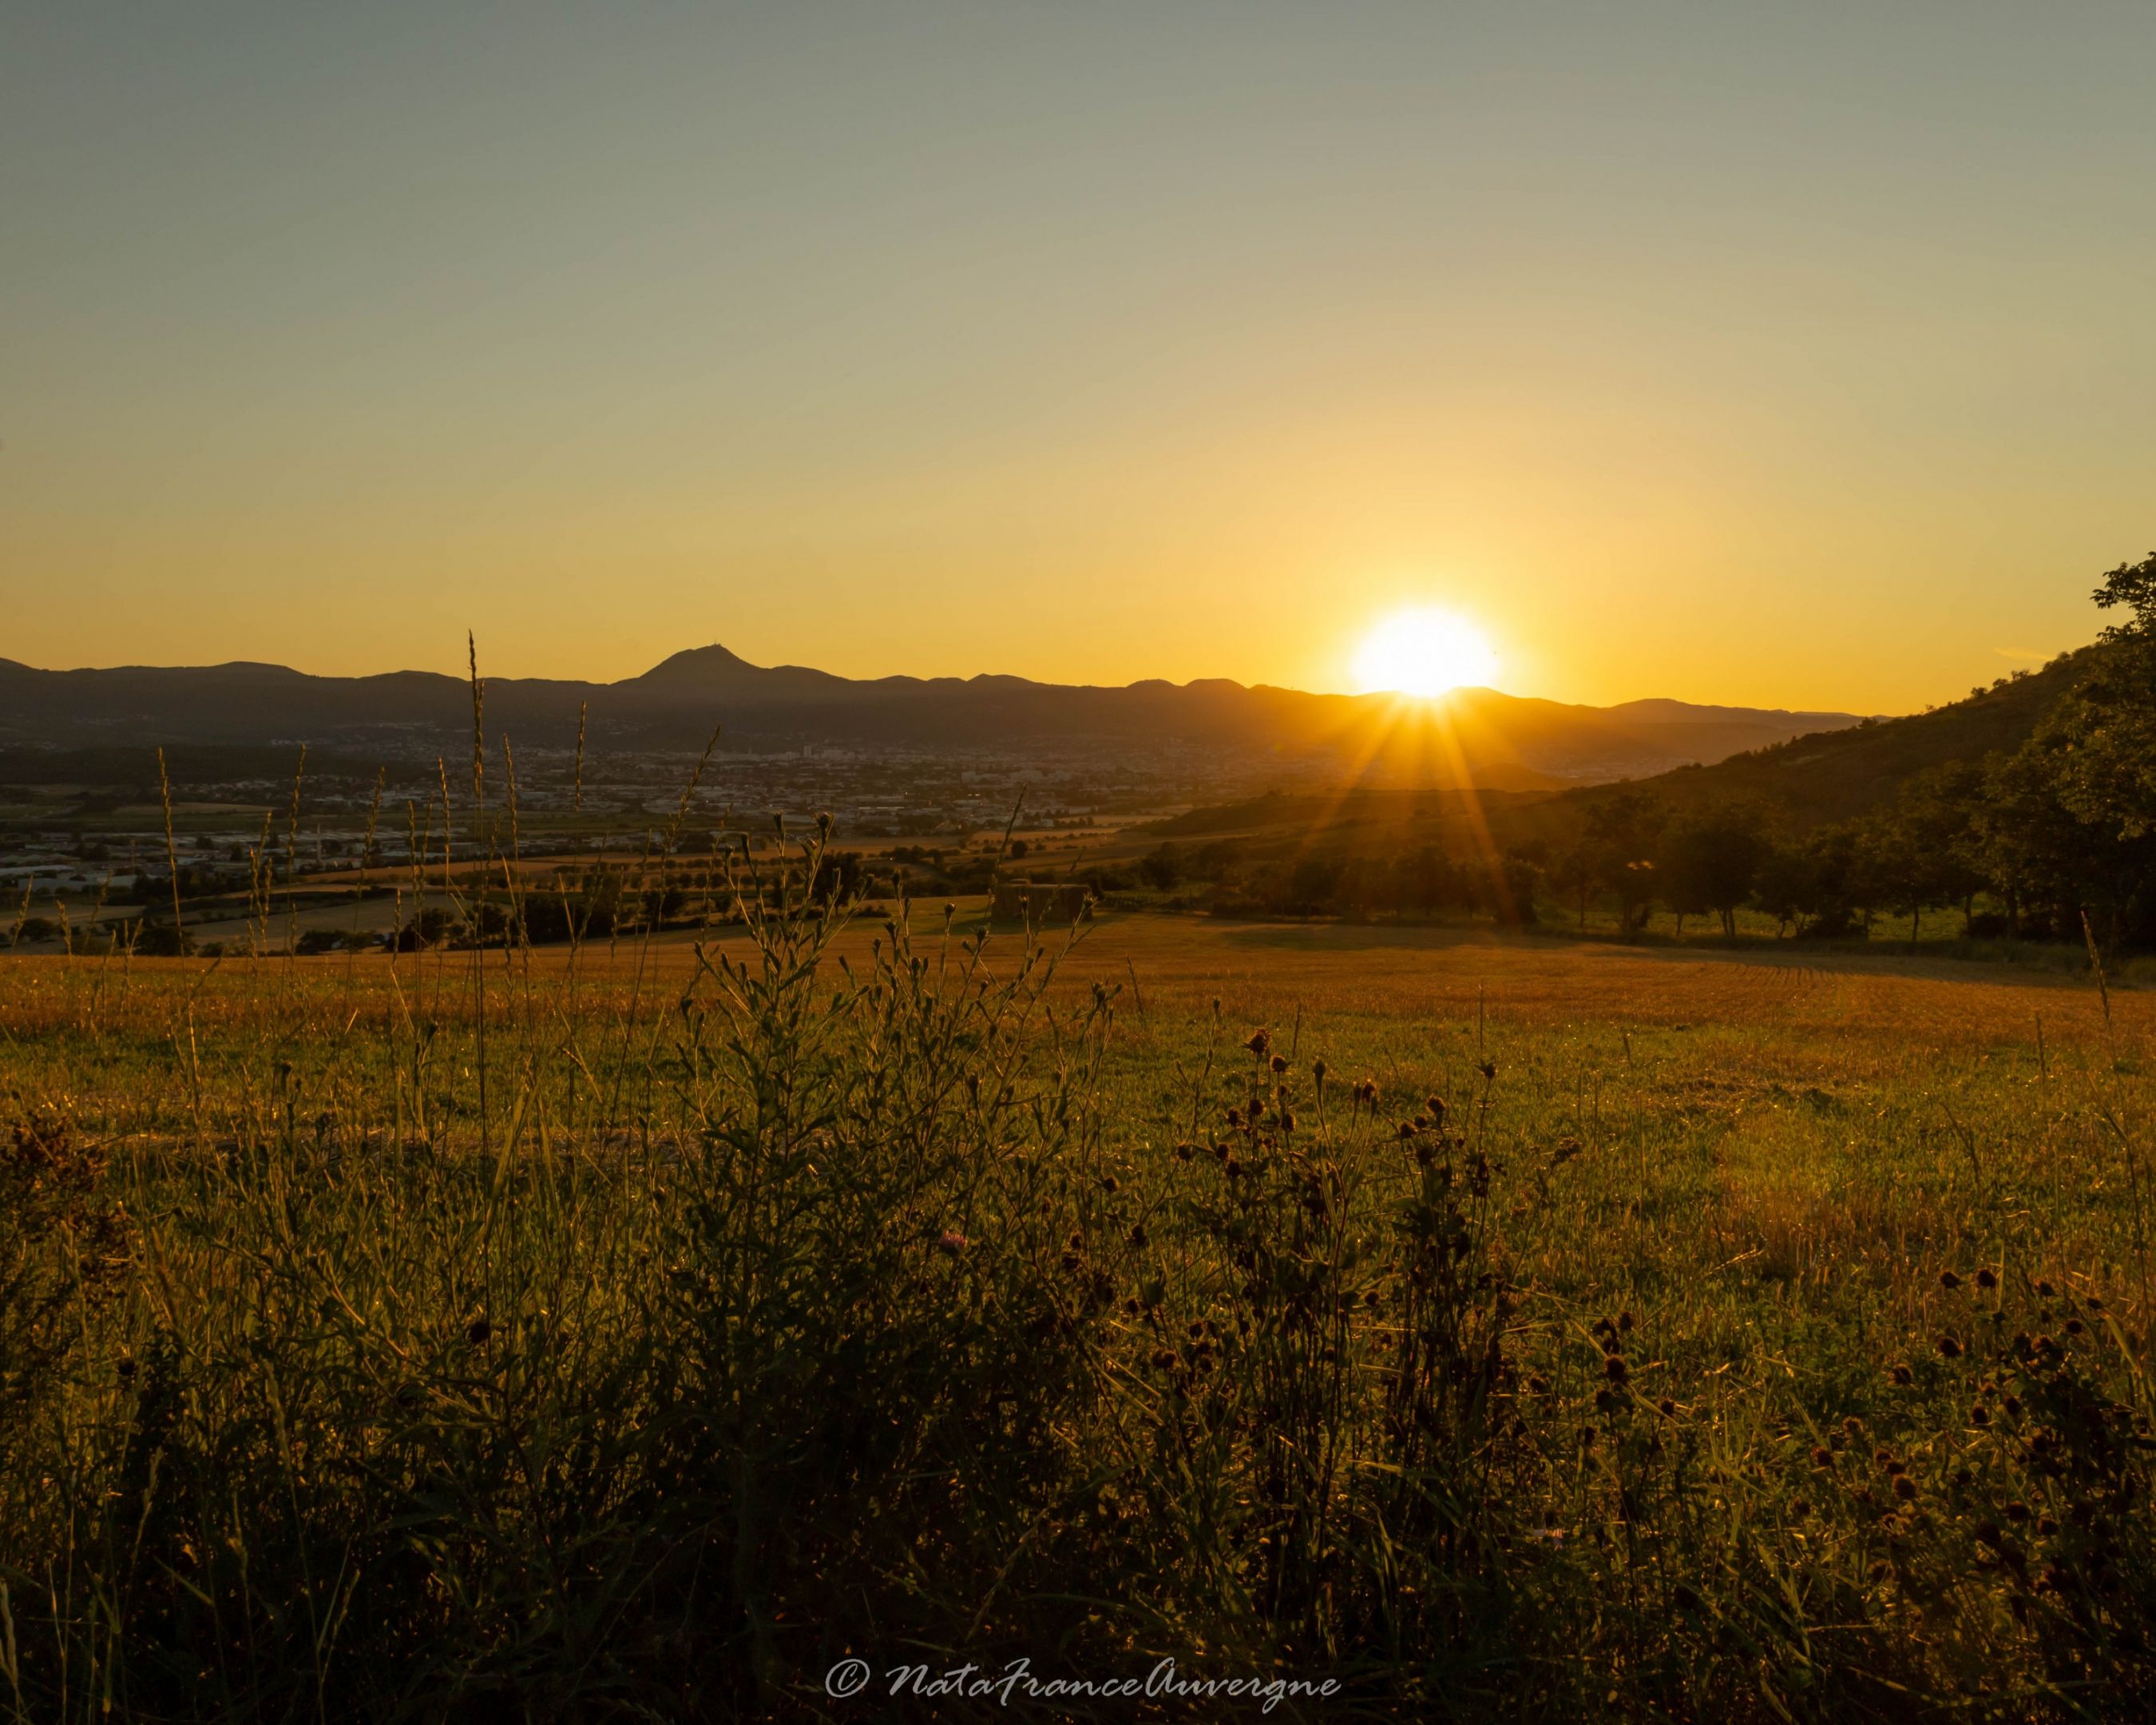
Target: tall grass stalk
(171,853)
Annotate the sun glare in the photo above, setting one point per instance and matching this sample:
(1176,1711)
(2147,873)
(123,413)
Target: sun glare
(1424,652)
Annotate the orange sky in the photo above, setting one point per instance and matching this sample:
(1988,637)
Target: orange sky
(1794,361)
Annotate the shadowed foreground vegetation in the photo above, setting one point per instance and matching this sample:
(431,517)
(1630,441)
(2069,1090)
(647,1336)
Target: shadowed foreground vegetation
(470,1335)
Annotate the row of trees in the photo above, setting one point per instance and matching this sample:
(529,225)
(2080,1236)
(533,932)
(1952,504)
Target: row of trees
(1716,860)
(1422,880)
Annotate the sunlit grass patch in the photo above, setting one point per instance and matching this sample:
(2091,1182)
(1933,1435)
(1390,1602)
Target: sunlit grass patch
(1504,1328)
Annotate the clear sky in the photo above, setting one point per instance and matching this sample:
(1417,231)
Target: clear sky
(1789,355)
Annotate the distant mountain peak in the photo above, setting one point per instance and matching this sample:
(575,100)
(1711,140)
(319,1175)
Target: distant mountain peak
(698,664)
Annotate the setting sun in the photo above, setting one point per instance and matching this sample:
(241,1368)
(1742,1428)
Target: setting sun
(1425,651)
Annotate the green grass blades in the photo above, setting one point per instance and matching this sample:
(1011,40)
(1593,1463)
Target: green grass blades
(1506,1330)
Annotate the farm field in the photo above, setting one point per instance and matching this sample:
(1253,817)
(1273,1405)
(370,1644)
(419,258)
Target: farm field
(1525,1325)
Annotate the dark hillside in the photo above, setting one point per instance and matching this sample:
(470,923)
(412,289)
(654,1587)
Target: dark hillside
(1473,736)
(1833,775)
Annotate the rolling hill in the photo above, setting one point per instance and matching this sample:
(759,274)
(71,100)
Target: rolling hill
(1822,775)
(1832,775)
(1476,737)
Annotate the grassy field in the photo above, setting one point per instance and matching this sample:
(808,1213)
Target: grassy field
(1520,1328)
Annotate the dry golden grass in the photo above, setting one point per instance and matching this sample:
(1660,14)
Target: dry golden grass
(1763,1163)
(1258,970)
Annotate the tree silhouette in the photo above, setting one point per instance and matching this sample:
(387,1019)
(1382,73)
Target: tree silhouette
(1622,833)
(1708,860)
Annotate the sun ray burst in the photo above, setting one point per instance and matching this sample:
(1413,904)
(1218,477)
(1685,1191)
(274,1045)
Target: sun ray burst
(1424,651)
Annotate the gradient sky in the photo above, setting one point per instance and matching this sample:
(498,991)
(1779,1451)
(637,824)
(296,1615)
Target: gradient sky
(1792,355)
